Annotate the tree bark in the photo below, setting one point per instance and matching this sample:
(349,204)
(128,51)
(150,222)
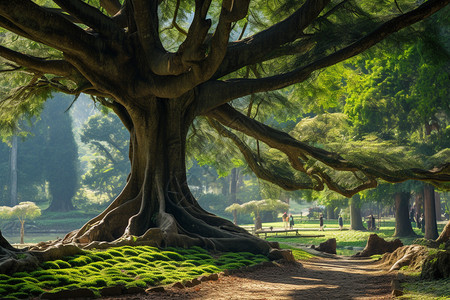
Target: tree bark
(437,197)
(13,191)
(431,232)
(355,214)
(402,222)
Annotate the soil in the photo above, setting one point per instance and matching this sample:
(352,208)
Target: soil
(318,278)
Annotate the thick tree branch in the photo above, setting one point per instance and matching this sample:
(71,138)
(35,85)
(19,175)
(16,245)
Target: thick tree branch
(299,152)
(36,64)
(258,169)
(255,48)
(91,17)
(112,7)
(40,24)
(202,70)
(235,88)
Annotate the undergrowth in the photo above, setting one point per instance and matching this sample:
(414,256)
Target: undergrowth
(127,266)
(426,289)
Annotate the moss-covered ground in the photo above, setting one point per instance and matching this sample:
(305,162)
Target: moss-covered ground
(127,266)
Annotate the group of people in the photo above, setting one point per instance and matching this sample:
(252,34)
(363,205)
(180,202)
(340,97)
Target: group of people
(418,220)
(288,220)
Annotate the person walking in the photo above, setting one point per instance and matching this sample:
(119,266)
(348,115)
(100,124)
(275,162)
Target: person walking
(321,222)
(285,220)
(341,222)
(291,221)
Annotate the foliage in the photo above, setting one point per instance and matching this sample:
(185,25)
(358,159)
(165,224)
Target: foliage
(257,206)
(108,162)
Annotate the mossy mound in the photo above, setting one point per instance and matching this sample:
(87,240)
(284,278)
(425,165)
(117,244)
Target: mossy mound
(139,266)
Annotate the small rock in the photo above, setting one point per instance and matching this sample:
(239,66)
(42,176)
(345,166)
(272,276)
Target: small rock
(328,246)
(203,278)
(134,290)
(178,285)
(213,277)
(65,294)
(111,291)
(158,289)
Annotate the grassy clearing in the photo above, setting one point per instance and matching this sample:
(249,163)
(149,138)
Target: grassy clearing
(345,238)
(126,266)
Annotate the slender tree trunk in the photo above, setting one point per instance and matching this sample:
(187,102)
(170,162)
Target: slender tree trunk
(431,232)
(14,171)
(233,191)
(355,214)
(402,221)
(437,197)
(22,231)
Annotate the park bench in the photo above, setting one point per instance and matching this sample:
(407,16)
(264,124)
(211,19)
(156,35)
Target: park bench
(286,231)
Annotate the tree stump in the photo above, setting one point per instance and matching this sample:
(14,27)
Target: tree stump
(328,246)
(377,245)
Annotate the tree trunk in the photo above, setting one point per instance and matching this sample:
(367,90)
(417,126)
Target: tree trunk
(355,214)
(13,191)
(402,222)
(22,231)
(431,232)
(437,197)
(330,212)
(233,190)
(156,205)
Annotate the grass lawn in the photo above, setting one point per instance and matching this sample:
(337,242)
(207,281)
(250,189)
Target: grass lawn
(344,238)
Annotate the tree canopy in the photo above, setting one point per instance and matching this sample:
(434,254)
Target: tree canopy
(167,66)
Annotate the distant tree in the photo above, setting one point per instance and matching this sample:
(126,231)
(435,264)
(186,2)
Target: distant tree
(23,211)
(108,164)
(256,207)
(61,154)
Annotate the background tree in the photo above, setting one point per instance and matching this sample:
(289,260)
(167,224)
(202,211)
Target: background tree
(159,82)
(62,154)
(109,166)
(23,211)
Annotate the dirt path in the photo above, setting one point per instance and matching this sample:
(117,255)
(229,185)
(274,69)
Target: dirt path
(320,278)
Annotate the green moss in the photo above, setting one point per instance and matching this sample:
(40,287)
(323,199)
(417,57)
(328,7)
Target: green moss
(50,265)
(95,282)
(160,256)
(14,281)
(231,266)
(114,253)
(19,295)
(4,277)
(139,260)
(130,252)
(95,257)
(174,256)
(137,283)
(80,261)
(62,264)
(104,255)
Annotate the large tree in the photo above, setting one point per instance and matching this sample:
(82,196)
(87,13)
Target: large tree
(159,78)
